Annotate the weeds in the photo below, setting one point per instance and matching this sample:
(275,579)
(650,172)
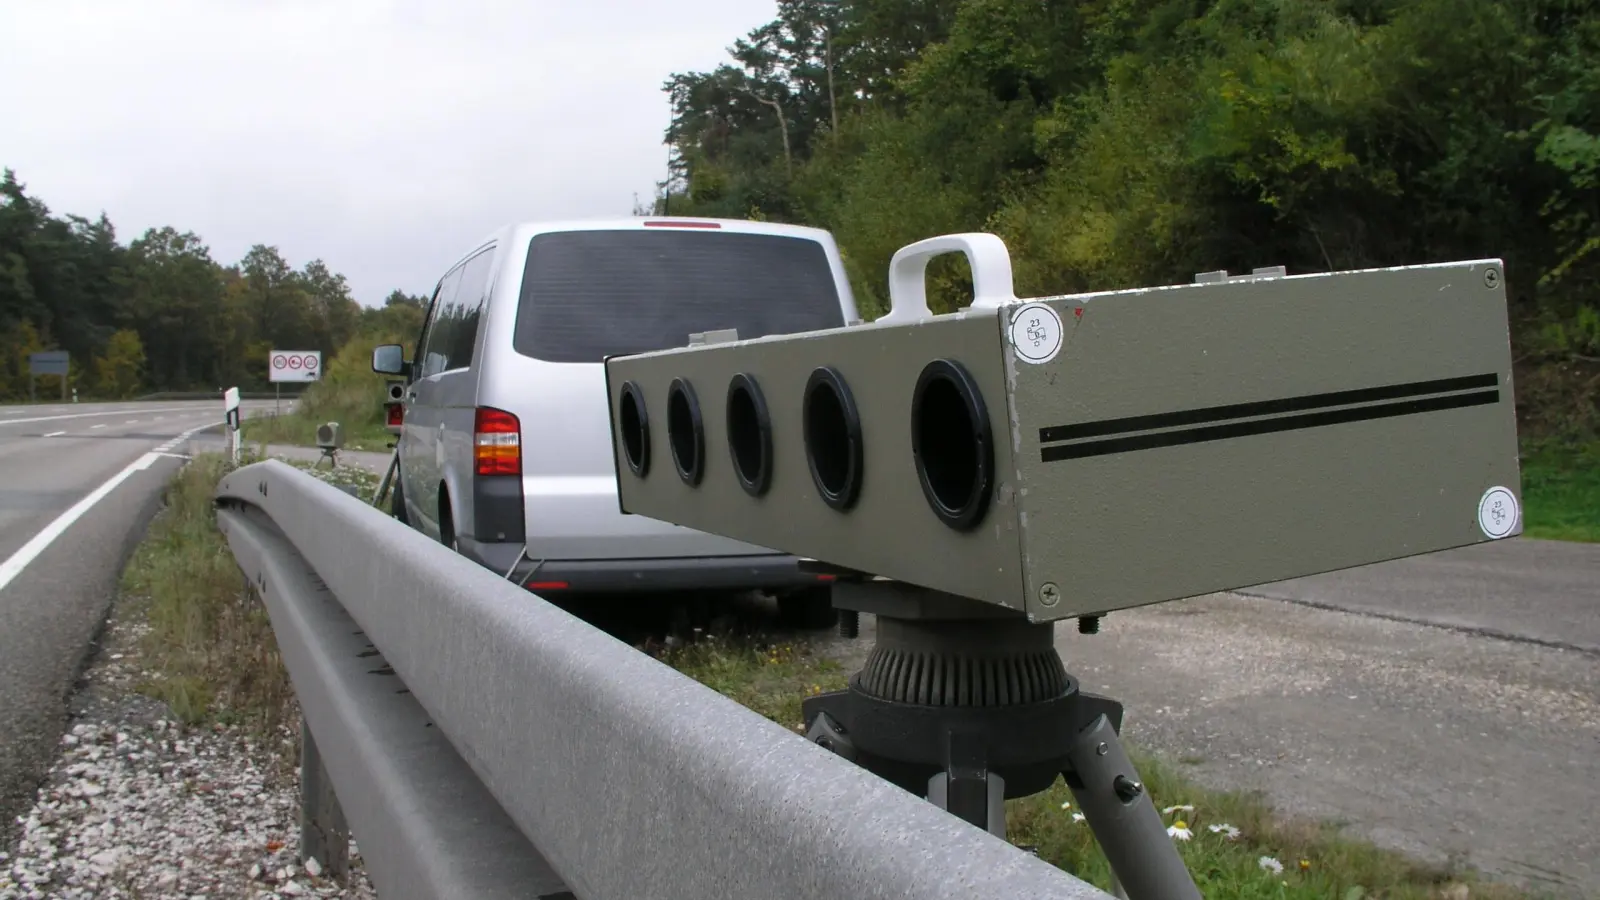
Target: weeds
(209,641)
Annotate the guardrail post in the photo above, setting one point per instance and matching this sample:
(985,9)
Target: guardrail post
(324,836)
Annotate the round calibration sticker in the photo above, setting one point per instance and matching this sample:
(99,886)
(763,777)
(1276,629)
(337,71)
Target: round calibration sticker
(1036,333)
(1497,512)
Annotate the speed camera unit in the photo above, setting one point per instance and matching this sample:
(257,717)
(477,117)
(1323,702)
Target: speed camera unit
(1072,455)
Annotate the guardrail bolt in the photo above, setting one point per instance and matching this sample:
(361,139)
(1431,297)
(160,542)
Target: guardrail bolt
(849,623)
(1088,624)
(1491,278)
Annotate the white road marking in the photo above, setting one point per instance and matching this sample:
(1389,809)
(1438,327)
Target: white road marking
(55,434)
(96,426)
(114,412)
(131,422)
(30,551)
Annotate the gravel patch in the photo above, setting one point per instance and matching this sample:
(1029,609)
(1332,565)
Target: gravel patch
(138,806)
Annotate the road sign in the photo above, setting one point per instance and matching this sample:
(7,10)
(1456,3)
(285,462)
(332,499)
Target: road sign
(294,365)
(50,362)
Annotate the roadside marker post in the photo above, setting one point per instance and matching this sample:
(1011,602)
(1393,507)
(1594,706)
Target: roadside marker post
(230,418)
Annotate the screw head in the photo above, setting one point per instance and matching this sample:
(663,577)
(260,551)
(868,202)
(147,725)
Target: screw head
(1491,278)
(1102,749)
(1049,594)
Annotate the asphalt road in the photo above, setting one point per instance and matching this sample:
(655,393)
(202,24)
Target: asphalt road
(1421,701)
(94,460)
(1544,592)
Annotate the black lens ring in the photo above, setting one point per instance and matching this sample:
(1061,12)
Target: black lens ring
(696,468)
(754,484)
(828,378)
(966,516)
(632,392)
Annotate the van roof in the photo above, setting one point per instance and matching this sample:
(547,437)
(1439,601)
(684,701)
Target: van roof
(522,232)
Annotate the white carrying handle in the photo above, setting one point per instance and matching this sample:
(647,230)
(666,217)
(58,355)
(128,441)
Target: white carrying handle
(986,254)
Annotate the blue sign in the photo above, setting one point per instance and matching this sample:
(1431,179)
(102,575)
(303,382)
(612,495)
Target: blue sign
(50,362)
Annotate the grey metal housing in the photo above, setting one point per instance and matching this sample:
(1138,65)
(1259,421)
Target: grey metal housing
(1182,440)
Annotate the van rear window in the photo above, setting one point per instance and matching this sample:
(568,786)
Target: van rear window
(587,295)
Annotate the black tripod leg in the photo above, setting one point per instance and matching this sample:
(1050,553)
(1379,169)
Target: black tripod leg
(967,789)
(1130,832)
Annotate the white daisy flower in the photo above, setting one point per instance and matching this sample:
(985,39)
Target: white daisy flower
(1077,817)
(1227,831)
(1180,830)
(1268,864)
(1172,809)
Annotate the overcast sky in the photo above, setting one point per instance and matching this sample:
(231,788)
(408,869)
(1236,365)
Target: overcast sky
(384,136)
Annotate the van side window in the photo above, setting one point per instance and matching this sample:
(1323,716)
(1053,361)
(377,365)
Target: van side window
(438,334)
(467,309)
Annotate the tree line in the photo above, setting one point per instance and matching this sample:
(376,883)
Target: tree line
(159,313)
(1123,143)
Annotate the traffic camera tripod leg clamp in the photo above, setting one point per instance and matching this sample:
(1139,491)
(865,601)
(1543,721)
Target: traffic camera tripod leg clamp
(968,706)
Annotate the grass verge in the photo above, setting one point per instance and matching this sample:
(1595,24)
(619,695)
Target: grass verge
(1561,492)
(209,639)
(1235,842)
(299,429)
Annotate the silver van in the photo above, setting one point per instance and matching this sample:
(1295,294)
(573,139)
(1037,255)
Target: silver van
(505,448)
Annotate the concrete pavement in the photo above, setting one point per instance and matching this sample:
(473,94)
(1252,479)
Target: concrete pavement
(77,484)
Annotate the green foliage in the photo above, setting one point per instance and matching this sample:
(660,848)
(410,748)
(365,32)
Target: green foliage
(66,283)
(1561,492)
(1138,142)
(116,371)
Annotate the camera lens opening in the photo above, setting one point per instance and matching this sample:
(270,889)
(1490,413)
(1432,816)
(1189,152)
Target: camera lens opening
(951,444)
(685,432)
(832,438)
(749,435)
(634,429)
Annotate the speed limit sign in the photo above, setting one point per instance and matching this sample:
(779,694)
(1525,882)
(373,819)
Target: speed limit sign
(294,365)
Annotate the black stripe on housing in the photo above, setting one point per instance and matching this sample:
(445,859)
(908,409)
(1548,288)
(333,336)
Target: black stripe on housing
(1264,408)
(1265,426)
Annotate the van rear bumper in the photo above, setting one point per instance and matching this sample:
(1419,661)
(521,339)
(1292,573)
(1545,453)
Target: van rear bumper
(777,571)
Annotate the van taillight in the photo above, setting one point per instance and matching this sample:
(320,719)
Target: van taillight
(397,415)
(497,442)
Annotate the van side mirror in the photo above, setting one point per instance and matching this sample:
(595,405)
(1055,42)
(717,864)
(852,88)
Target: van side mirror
(390,359)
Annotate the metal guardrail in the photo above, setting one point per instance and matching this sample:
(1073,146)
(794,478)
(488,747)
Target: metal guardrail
(564,763)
